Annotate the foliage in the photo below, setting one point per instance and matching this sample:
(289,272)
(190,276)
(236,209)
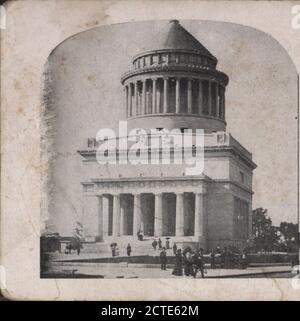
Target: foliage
(267,237)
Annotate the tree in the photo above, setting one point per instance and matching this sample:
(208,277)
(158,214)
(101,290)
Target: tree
(265,235)
(289,232)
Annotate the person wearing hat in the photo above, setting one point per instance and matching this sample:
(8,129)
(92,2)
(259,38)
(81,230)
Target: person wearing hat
(163,259)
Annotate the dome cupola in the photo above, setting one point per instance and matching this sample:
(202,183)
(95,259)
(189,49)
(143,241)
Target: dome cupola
(174,83)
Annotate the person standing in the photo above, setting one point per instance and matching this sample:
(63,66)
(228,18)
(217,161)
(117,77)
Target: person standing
(159,244)
(188,263)
(128,249)
(198,259)
(163,259)
(113,249)
(167,244)
(154,245)
(174,248)
(178,264)
(244,262)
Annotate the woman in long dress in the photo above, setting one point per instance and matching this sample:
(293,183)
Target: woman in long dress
(178,263)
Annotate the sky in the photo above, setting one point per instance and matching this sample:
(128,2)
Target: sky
(261,105)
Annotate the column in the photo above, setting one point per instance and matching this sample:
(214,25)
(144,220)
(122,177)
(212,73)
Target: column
(179,215)
(209,98)
(105,211)
(126,99)
(200,98)
(222,101)
(158,100)
(200,219)
(166,93)
(137,214)
(136,98)
(154,109)
(217,99)
(177,97)
(143,110)
(130,99)
(116,215)
(100,218)
(158,228)
(122,215)
(189,97)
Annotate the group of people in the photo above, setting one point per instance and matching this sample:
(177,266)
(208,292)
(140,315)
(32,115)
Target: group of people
(187,262)
(229,257)
(158,244)
(115,249)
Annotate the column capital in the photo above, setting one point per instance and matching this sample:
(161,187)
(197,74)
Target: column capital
(114,194)
(136,194)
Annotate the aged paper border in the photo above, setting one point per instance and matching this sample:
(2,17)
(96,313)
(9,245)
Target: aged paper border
(33,29)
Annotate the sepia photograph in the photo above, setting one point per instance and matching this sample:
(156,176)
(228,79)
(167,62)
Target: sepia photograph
(159,139)
(149,151)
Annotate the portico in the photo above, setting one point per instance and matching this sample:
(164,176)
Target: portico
(158,208)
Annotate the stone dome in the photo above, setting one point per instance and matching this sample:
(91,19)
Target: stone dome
(175,76)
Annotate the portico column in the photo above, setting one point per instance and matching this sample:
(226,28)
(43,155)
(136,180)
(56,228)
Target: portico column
(100,218)
(105,217)
(179,215)
(130,99)
(143,109)
(166,93)
(200,98)
(177,97)
(136,98)
(158,215)
(116,215)
(209,98)
(189,97)
(137,213)
(200,231)
(154,109)
(122,216)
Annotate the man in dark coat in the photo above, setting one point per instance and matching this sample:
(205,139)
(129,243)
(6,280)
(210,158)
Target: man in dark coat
(198,260)
(128,249)
(163,259)
(159,244)
(154,245)
(175,248)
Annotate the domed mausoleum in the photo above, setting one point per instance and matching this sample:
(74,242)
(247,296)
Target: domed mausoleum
(173,84)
